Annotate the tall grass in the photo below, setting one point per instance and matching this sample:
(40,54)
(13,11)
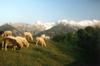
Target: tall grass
(35,56)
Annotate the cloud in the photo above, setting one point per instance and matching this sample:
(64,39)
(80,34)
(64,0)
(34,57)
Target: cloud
(80,23)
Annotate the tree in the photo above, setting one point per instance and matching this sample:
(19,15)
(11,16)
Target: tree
(88,44)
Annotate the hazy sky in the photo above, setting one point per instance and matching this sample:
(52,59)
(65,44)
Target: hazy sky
(48,10)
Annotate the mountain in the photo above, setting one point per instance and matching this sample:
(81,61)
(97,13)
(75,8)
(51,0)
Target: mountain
(22,27)
(59,28)
(41,26)
(36,27)
(51,28)
(65,26)
(6,27)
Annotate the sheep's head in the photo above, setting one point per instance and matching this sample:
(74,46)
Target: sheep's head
(1,32)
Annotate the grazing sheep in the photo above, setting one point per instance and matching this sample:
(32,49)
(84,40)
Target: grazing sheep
(41,40)
(7,33)
(17,42)
(10,40)
(4,35)
(22,42)
(45,37)
(28,36)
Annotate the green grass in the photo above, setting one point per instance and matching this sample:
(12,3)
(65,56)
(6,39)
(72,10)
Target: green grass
(35,56)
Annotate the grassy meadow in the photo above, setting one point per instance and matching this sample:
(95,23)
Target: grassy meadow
(35,56)
(80,48)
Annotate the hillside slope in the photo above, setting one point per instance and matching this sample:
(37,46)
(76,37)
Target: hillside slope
(35,56)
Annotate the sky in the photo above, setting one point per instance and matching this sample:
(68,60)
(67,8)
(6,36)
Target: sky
(29,11)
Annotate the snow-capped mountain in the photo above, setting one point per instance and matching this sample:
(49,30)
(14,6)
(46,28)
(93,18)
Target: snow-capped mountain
(43,25)
(64,26)
(54,27)
(22,27)
(36,27)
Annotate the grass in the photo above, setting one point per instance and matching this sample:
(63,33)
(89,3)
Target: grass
(35,56)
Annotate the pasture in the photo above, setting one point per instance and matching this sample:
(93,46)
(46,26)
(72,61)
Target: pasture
(35,56)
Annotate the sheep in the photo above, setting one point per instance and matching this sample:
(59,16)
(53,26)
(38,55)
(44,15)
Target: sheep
(45,37)
(22,42)
(1,32)
(7,33)
(28,36)
(4,35)
(10,40)
(41,40)
(17,42)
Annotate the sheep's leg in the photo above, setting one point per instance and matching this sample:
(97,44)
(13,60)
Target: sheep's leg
(13,42)
(31,39)
(5,47)
(44,44)
(2,45)
(36,43)
(14,47)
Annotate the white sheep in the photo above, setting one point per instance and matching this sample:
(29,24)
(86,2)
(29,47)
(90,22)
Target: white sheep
(7,33)
(10,40)
(41,40)
(45,37)
(17,42)
(22,42)
(28,36)
(4,35)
